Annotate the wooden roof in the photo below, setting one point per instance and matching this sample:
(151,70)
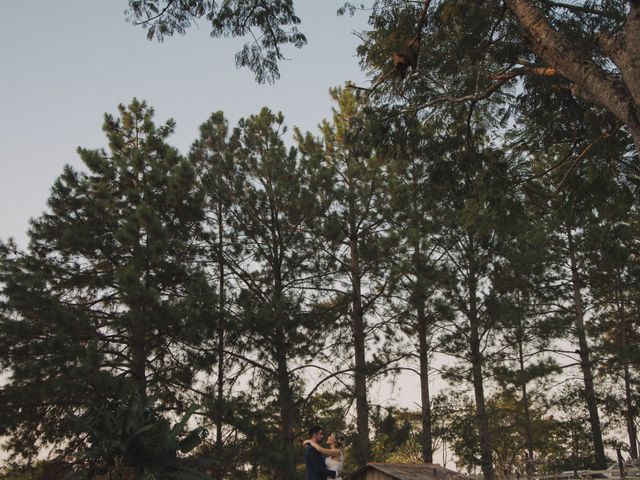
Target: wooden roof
(422,471)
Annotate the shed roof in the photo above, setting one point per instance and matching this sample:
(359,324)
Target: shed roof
(422,471)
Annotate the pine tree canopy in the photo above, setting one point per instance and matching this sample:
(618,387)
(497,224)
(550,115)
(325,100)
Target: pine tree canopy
(108,302)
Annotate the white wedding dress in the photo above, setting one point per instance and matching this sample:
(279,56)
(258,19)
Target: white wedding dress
(335,465)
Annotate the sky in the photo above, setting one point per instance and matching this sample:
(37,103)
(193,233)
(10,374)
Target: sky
(67,62)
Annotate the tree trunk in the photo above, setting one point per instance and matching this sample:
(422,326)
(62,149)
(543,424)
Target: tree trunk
(139,360)
(574,451)
(423,352)
(630,414)
(585,363)
(481,410)
(486,459)
(419,297)
(287,468)
(630,409)
(527,415)
(619,95)
(357,316)
(427,442)
(620,463)
(221,334)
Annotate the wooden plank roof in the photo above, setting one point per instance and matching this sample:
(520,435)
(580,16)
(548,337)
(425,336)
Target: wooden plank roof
(422,471)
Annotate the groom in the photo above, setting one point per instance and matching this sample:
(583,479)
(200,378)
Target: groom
(316,469)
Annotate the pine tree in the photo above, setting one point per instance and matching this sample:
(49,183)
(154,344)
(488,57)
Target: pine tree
(415,267)
(213,154)
(352,231)
(527,332)
(101,314)
(276,270)
(481,214)
(562,142)
(612,277)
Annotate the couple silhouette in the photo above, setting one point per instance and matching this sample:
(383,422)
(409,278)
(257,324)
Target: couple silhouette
(323,463)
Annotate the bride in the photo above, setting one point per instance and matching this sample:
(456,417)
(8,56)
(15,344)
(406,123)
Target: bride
(334,458)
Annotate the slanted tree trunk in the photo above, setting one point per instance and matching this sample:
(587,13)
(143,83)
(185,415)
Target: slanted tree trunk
(585,362)
(620,95)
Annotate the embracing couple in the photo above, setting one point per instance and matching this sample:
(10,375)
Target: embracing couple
(323,463)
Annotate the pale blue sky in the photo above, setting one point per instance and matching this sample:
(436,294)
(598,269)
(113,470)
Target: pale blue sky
(66,62)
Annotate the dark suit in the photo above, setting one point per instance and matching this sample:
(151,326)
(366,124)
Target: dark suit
(316,468)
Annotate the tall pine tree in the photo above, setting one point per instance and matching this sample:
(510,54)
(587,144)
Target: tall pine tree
(100,315)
